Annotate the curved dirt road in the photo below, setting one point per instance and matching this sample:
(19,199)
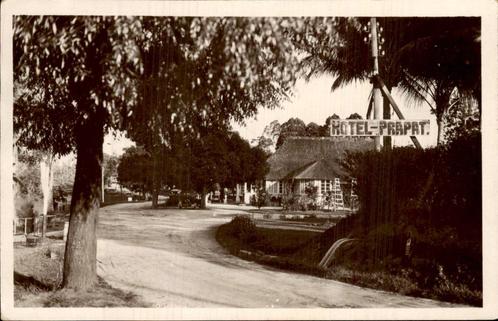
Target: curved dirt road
(171,258)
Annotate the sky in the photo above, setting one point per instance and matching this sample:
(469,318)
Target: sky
(313,101)
(115,143)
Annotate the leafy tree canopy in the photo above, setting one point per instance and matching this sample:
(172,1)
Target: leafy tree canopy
(354,116)
(314,130)
(110,167)
(449,46)
(168,73)
(206,72)
(135,169)
(269,137)
(222,158)
(68,69)
(292,127)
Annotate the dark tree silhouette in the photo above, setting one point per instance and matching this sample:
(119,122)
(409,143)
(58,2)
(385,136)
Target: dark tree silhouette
(447,51)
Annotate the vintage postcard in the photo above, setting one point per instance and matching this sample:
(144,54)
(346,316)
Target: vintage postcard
(248,160)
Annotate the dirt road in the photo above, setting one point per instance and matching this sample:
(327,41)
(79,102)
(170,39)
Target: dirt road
(171,258)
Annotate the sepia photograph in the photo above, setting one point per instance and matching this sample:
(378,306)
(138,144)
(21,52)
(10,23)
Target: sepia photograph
(232,160)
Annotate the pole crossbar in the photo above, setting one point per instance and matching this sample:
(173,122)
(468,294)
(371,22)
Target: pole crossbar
(370,106)
(388,96)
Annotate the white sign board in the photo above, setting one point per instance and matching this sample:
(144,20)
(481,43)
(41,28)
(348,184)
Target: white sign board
(379,127)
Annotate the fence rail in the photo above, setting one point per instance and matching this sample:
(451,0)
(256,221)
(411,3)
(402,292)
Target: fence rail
(26,225)
(23,225)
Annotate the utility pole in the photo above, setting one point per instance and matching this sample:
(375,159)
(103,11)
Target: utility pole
(387,144)
(377,94)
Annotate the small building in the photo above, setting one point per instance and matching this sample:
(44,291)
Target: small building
(309,160)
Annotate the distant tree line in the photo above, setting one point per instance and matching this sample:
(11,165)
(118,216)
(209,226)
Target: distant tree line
(275,133)
(219,158)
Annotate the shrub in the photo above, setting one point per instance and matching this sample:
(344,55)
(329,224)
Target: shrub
(25,208)
(311,192)
(242,227)
(432,197)
(415,189)
(276,201)
(292,203)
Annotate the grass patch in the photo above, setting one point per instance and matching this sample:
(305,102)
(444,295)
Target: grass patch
(38,275)
(274,247)
(103,295)
(241,233)
(285,242)
(301,251)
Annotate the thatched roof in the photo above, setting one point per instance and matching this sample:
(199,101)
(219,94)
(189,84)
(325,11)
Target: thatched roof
(312,157)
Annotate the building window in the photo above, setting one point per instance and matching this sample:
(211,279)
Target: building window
(280,187)
(325,186)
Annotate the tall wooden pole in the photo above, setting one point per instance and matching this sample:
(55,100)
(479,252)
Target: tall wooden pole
(377,94)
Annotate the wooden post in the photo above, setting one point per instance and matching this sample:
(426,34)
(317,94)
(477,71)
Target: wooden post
(246,194)
(237,195)
(377,95)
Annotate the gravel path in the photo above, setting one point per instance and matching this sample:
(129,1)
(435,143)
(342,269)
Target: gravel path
(170,257)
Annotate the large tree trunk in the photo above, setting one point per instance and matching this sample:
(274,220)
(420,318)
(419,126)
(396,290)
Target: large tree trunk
(155,198)
(81,246)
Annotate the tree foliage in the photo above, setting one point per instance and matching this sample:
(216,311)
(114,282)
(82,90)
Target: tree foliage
(222,158)
(203,73)
(314,130)
(268,139)
(110,167)
(447,51)
(134,170)
(27,173)
(211,71)
(354,116)
(64,173)
(291,128)
(441,191)
(153,77)
(67,69)
(295,127)
(461,120)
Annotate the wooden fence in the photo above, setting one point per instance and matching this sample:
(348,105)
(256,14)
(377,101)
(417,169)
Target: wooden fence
(24,225)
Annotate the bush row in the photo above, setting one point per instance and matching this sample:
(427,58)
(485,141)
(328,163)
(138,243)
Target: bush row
(419,209)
